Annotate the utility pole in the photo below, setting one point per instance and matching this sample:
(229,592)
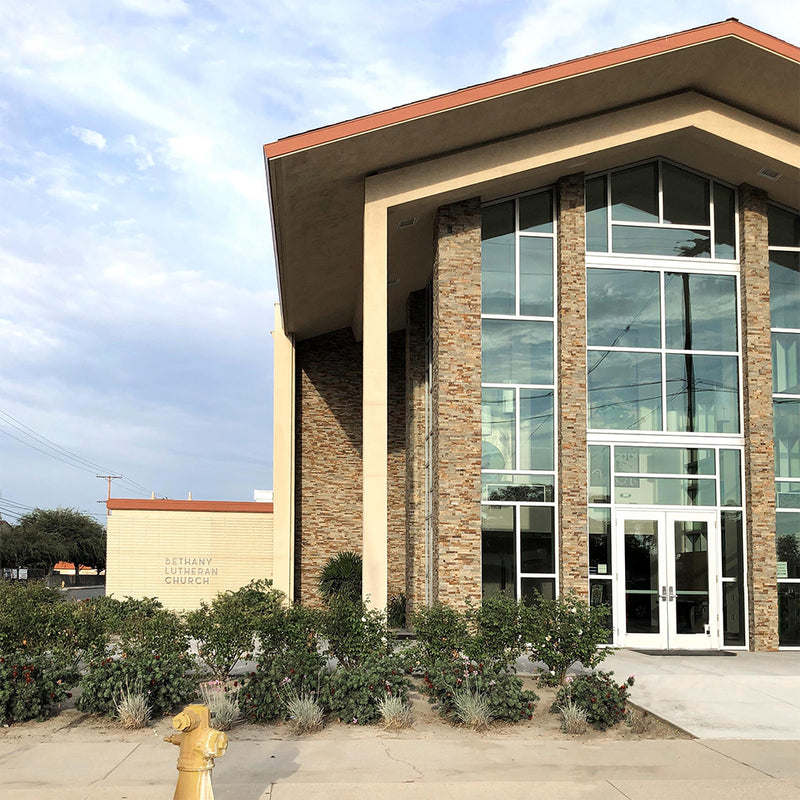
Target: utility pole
(108,478)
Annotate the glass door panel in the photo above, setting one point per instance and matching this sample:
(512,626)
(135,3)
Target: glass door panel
(641,576)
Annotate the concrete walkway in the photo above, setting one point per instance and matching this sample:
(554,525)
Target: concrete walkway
(746,696)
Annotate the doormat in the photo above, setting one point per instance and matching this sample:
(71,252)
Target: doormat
(684,653)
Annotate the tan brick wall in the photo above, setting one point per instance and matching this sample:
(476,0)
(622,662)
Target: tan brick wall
(328,463)
(571,377)
(758,432)
(396,521)
(415,451)
(457,402)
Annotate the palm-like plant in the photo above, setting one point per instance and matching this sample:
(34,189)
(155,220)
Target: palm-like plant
(341,577)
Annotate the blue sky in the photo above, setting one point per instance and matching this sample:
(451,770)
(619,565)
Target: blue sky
(136,270)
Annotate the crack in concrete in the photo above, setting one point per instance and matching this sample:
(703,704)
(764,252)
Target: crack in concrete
(614,786)
(115,766)
(400,761)
(737,760)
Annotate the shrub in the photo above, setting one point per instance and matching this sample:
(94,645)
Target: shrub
(29,688)
(223,703)
(304,712)
(133,708)
(354,633)
(472,708)
(564,631)
(599,695)
(264,692)
(341,577)
(225,630)
(508,701)
(147,629)
(441,633)
(352,692)
(573,718)
(497,630)
(396,611)
(288,629)
(395,712)
(164,681)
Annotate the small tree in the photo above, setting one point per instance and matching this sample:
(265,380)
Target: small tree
(341,577)
(564,631)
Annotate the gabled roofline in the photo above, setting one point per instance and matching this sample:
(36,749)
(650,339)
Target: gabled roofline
(526,80)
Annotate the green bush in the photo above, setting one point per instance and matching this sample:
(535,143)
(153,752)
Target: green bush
(497,630)
(353,631)
(30,688)
(146,628)
(604,700)
(265,692)
(225,630)
(341,577)
(441,633)
(164,679)
(564,631)
(396,611)
(508,701)
(352,693)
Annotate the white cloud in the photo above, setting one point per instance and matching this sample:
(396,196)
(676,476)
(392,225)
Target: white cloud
(249,186)
(190,147)
(158,8)
(88,136)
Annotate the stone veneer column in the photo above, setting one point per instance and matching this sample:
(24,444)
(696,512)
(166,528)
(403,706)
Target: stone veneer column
(457,402)
(396,467)
(571,379)
(757,424)
(415,452)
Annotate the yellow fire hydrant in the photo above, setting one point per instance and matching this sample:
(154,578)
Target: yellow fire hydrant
(200,744)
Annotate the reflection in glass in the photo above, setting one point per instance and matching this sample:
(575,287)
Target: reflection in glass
(498,259)
(536,446)
(516,351)
(786,363)
(599,541)
(596,215)
(703,393)
(624,390)
(789,614)
(730,475)
(623,308)
(686,197)
(498,429)
(732,553)
(666,491)
(498,550)
(664,460)
(647,241)
(600,595)
(691,576)
(634,194)
(733,613)
(537,541)
(786,421)
(784,227)
(787,544)
(599,473)
(536,276)
(700,312)
(533,588)
(724,222)
(787,495)
(641,576)
(519,488)
(536,213)
(784,289)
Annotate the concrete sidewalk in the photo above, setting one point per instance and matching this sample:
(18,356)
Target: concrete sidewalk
(746,696)
(382,766)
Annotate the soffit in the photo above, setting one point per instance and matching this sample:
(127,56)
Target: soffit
(317,193)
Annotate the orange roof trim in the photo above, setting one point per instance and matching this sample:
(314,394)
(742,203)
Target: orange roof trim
(526,80)
(250,507)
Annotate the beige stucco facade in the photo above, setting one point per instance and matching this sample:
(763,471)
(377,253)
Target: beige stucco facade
(182,556)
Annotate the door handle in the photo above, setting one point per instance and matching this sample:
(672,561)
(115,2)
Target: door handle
(663,592)
(671,594)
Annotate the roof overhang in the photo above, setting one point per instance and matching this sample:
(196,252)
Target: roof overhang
(724,99)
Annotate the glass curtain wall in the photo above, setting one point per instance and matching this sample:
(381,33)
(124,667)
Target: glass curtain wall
(784,285)
(518,490)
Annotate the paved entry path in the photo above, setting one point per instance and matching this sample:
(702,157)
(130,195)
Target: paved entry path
(746,696)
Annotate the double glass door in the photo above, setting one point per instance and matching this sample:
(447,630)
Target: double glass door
(666,594)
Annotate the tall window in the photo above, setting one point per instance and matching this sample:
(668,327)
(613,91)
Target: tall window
(518,396)
(784,285)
